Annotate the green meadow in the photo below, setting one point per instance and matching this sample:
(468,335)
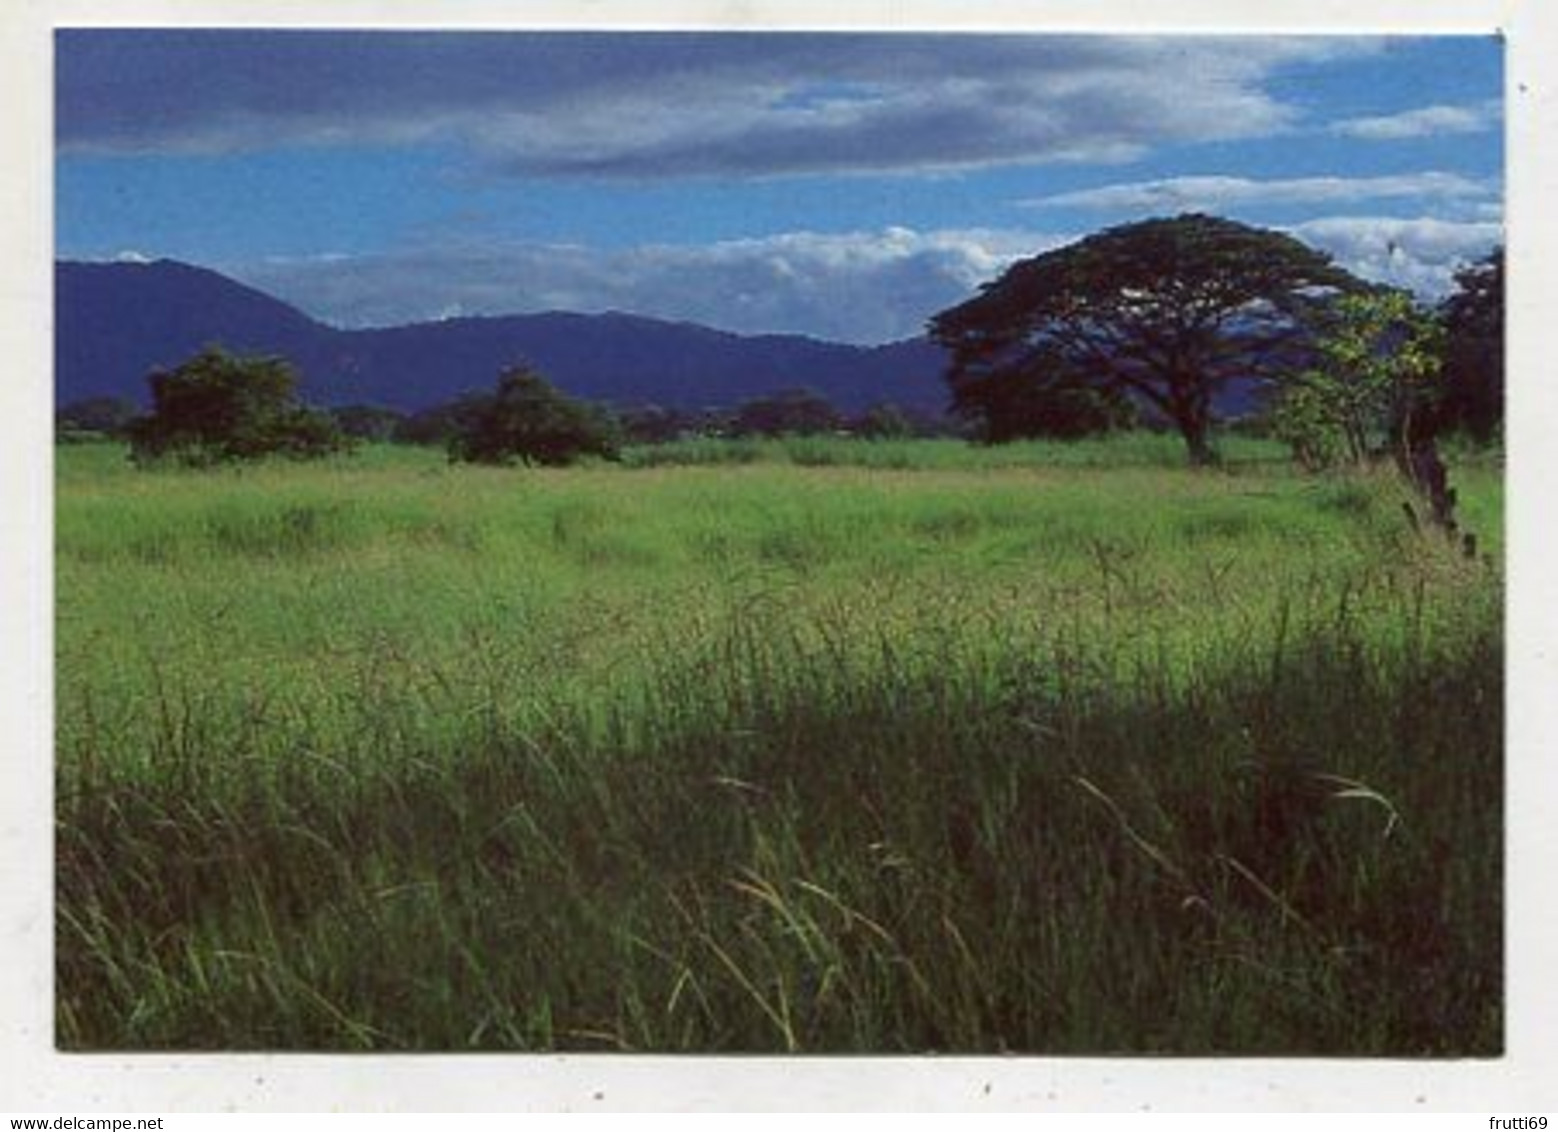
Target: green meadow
(825,746)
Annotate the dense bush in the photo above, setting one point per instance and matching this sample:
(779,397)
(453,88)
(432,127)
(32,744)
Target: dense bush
(529,420)
(1372,386)
(217,407)
(435,426)
(100,416)
(1043,399)
(367,422)
(883,421)
(791,412)
(1473,392)
(661,424)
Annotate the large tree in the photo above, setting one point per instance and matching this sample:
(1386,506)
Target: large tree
(1168,310)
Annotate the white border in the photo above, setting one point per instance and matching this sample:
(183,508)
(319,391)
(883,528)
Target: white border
(33,1077)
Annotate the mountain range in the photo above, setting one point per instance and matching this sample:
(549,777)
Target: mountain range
(116,323)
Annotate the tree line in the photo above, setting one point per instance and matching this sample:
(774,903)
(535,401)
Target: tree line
(218,407)
(1142,323)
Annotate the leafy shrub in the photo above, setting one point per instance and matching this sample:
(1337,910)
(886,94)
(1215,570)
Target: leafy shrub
(216,408)
(527,419)
(93,417)
(1371,386)
(368,422)
(791,412)
(1046,399)
(883,421)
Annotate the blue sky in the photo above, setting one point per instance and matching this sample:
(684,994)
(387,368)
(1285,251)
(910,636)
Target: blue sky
(842,185)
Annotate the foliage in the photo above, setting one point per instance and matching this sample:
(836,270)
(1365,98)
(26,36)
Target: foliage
(1168,310)
(1473,315)
(217,407)
(528,419)
(372,423)
(104,416)
(793,412)
(883,421)
(437,425)
(1043,396)
(1300,417)
(657,424)
(1372,383)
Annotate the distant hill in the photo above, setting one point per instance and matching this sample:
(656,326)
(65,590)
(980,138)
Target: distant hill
(118,322)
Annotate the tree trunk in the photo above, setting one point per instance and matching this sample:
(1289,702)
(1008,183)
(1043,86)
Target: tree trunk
(1195,428)
(1188,401)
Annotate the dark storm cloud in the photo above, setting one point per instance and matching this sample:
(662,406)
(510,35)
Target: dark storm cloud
(671,104)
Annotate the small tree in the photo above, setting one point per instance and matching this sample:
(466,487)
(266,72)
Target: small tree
(217,407)
(1371,385)
(529,420)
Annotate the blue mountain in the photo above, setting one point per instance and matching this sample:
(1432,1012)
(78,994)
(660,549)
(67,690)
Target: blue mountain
(116,323)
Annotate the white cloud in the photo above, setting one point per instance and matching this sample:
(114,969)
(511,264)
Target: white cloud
(1420,254)
(1425,121)
(864,287)
(1180,194)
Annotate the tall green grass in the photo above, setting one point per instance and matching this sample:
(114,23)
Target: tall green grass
(1044,758)
(1149,449)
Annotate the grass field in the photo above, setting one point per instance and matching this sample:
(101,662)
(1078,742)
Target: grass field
(823,747)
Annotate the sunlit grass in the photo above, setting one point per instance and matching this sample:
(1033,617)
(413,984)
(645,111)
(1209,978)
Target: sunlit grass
(1140,449)
(779,755)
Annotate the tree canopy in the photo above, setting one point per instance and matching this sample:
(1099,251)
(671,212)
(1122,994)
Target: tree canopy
(1041,396)
(529,420)
(105,416)
(1167,310)
(1474,349)
(217,407)
(372,423)
(795,412)
(1372,385)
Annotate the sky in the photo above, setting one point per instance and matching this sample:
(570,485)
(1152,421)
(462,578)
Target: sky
(841,185)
